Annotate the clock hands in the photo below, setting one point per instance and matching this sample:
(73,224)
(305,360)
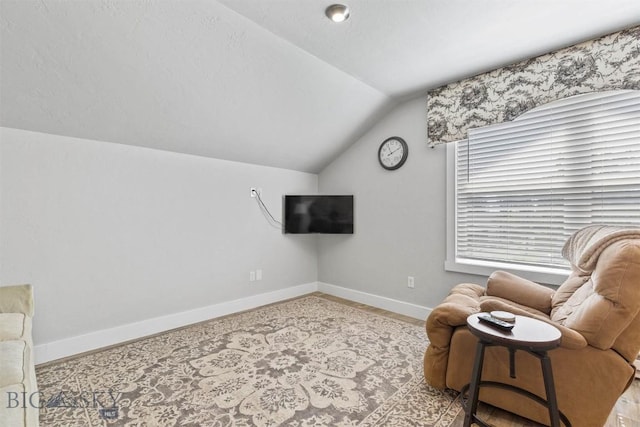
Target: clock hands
(394,151)
(389,154)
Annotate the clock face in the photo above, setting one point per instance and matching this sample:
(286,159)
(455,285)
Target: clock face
(393,153)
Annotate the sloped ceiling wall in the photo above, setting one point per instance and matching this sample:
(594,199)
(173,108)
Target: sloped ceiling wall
(199,79)
(266,82)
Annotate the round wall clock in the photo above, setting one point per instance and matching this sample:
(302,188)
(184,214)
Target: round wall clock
(393,153)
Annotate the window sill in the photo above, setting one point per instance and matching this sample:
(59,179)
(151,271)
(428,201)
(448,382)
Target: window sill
(547,276)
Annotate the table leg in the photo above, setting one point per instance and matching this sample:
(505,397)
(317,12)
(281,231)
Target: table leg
(474,387)
(547,374)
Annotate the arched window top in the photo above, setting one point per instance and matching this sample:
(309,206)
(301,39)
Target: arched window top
(587,103)
(608,63)
(593,115)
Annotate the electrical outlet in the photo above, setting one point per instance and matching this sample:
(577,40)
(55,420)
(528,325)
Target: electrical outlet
(256,190)
(252,276)
(258,274)
(411,282)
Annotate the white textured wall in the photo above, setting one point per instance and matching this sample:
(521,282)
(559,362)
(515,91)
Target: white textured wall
(112,234)
(399,216)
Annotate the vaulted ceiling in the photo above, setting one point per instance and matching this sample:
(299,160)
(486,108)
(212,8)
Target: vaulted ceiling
(270,82)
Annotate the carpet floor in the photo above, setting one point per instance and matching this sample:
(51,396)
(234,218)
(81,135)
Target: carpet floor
(305,362)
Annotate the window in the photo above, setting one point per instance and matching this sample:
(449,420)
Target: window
(521,188)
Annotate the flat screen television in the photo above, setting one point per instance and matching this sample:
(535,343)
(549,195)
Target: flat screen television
(318,214)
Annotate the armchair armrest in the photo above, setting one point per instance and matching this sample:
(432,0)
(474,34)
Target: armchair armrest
(520,290)
(16,299)
(463,301)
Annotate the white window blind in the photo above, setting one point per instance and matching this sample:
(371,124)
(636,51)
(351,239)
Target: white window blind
(523,187)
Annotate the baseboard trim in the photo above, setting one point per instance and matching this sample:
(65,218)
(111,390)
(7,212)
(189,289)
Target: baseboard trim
(408,309)
(107,337)
(72,346)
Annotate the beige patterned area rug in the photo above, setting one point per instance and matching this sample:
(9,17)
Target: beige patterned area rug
(300,363)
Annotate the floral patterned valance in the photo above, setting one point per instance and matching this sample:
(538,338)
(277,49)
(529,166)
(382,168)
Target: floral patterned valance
(608,63)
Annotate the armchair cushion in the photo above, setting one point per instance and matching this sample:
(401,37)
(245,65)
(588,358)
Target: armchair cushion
(17,299)
(17,369)
(520,290)
(605,305)
(12,326)
(14,370)
(563,293)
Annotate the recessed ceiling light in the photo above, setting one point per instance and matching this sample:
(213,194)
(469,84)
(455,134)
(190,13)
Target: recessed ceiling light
(337,12)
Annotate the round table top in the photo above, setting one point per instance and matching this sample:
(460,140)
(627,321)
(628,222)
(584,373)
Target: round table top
(527,332)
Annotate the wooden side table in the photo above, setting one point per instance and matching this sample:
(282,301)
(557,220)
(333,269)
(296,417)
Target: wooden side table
(530,335)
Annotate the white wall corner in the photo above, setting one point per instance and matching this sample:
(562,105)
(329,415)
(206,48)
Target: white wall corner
(401,307)
(107,337)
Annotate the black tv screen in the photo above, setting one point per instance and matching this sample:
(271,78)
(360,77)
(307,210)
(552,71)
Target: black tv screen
(318,214)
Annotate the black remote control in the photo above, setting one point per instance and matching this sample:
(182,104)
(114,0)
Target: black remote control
(497,323)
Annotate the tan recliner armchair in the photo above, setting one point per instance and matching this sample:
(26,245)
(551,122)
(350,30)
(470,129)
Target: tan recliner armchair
(597,310)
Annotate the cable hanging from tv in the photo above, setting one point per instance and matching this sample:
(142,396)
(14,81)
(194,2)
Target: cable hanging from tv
(265,211)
